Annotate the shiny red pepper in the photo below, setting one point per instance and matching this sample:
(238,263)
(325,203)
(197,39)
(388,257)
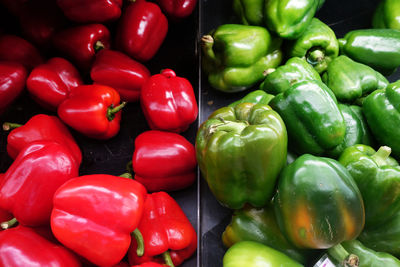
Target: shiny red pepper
(91,10)
(94,215)
(12,82)
(166,231)
(29,184)
(142,30)
(40,127)
(120,72)
(22,246)
(150,264)
(80,43)
(177,9)
(164,161)
(14,48)
(50,83)
(168,102)
(93,110)
(4,215)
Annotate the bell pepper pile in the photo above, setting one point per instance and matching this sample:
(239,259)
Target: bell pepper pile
(307,160)
(80,64)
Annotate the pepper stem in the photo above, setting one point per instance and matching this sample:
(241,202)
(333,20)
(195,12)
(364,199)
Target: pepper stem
(381,156)
(10,125)
(111,111)
(129,167)
(167,259)
(268,71)
(207,42)
(343,257)
(8,224)
(315,56)
(98,46)
(230,126)
(126,175)
(139,240)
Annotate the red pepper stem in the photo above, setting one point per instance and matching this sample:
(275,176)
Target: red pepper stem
(167,259)
(98,46)
(10,125)
(139,240)
(111,111)
(129,167)
(126,175)
(8,224)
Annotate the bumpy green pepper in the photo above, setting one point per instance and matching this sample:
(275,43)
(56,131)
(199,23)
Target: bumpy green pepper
(250,12)
(282,78)
(255,97)
(377,48)
(387,15)
(236,56)
(253,254)
(377,179)
(312,117)
(350,80)
(240,151)
(318,45)
(382,112)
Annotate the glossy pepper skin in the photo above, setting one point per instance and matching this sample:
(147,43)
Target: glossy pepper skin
(387,15)
(318,45)
(94,215)
(119,71)
(318,204)
(312,117)
(378,178)
(382,111)
(168,102)
(382,52)
(255,97)
(29,183)
(350,80)
(93,110)
(22,246)
(235,56)
(164,161)
(259,225)
(250,12)
(165,230)
(283,77)
(240,151)
(51,83)
(88,11)
(12,82)
(150,264)
(41,127)
(5,216)
(250,253)
(177,10)
(141,30)
(80,43)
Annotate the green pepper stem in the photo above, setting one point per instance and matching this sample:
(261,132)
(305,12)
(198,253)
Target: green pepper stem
(381,156)
(268,71)
(111,111)
(315,56)
(10,125)
(207,42)
(8,224)
(167,259)
(229,126)
(342,43)
(129,167)
(343,257)
(126,175)
(139,240)
(98,46)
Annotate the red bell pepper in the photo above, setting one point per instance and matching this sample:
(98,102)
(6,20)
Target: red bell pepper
(142,30)
(168,102)
(166,231)
(14,48)
(150,264)
(177,9)
(164,161)
(39,128)
(91,10)
(4,215)
(12,82)
(29,184)
(93,110)
(50,83)
(94,215)
(120,72)
(22,246)
(80,43)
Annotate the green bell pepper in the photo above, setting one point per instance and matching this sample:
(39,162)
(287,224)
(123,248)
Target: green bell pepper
(318,204)
(377,48)
(350,80)
(259,225)
(253,254)
(240,151)
(377,179)
(387,15)
(255,97)
(282,78)
(382,112)
(236,56)
(312,117)
(250,12)
(357,131)
(318,45)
